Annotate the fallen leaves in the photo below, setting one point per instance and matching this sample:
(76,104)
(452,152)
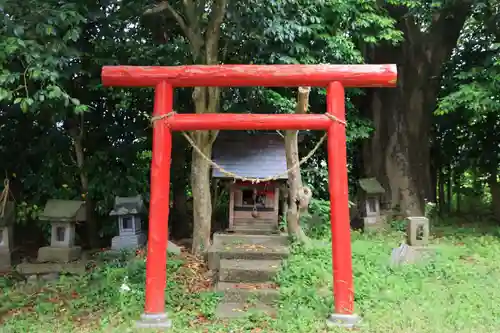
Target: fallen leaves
(256,286)
(250,247)
(193,274)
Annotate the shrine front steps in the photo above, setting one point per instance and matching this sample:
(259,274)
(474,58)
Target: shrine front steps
(246,266)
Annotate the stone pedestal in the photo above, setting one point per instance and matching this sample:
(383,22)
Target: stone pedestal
(128,242)
(59,254)
(374,223)
(336,320)
(5,260)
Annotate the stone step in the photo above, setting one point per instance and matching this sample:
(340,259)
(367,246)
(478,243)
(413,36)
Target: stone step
(266,292)
(257,221)
(260,225)
(77,268)
(248,270)
(266,240)
(218,252)
(252,230)
(232,310)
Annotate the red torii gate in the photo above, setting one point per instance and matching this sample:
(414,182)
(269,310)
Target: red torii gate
(164,79)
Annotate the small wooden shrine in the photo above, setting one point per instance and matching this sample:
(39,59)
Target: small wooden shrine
(252,206)
(62,216)
(7,219)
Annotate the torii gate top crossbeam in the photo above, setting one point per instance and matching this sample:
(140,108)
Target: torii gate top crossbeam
(349,76)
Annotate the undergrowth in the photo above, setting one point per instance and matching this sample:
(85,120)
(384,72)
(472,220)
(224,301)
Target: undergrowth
(456,291)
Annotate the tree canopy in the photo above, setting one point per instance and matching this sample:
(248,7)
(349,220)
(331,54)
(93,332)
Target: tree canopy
(62,134)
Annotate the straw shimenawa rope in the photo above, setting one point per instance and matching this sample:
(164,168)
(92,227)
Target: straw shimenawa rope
(238,177)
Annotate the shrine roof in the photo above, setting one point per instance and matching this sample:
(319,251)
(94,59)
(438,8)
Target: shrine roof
(250,155)
(371,186)
(128,206)
(64,211)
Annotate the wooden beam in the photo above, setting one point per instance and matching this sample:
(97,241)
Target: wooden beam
(251,75)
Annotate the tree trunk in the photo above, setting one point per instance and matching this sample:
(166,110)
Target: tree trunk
(458,190)
(449,189)
(295,185)
(495,196)
(202,199)
(206,100)
(441,195)
(76,134)
(398,154)
(180,216)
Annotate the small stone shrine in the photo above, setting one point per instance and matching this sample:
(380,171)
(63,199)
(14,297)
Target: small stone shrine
(63,216)
(369,196)
(129,211)
(7,219)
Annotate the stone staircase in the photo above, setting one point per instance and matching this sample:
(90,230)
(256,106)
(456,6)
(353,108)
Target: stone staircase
(246,265)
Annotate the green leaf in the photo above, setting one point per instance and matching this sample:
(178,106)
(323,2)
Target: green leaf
(49,30)
(5,94)
(81,108)
(24,105)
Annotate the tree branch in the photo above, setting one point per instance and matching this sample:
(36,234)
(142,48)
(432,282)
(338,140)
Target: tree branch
(166,6)
(213,31)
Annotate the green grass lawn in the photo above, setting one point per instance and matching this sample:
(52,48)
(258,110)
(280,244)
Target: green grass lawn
(458,291)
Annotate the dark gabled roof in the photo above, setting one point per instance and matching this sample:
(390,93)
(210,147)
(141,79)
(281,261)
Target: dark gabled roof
(371,186)
(128,205)
(258,155)
(64,211)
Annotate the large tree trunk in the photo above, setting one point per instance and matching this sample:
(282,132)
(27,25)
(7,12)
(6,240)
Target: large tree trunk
(295,185)
(76,134)
(206,100)
(398,154)
(202,201)
(495,196)
(441,192)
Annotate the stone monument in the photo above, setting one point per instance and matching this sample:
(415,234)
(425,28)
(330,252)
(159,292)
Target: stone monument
(417,231)
(417,238)
(63,216)
(128,210)
(369,196)
(7,219)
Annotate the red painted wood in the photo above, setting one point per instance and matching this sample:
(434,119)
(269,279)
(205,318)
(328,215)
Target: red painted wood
(165,78)
(339,203)
(229,121)
(156,274)
(251,75)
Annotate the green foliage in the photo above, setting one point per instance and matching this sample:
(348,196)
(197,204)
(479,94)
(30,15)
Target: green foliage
(430,295)
(108,298)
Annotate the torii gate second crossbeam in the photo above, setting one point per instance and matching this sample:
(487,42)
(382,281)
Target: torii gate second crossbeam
(164,79)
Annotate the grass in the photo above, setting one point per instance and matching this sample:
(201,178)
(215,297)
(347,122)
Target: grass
(455,292)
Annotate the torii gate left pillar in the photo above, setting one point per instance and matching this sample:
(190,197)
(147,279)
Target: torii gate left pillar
(333,77)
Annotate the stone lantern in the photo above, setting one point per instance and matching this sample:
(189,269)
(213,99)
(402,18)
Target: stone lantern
(128,210)
(7,219)
(62,216)
(370,194)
